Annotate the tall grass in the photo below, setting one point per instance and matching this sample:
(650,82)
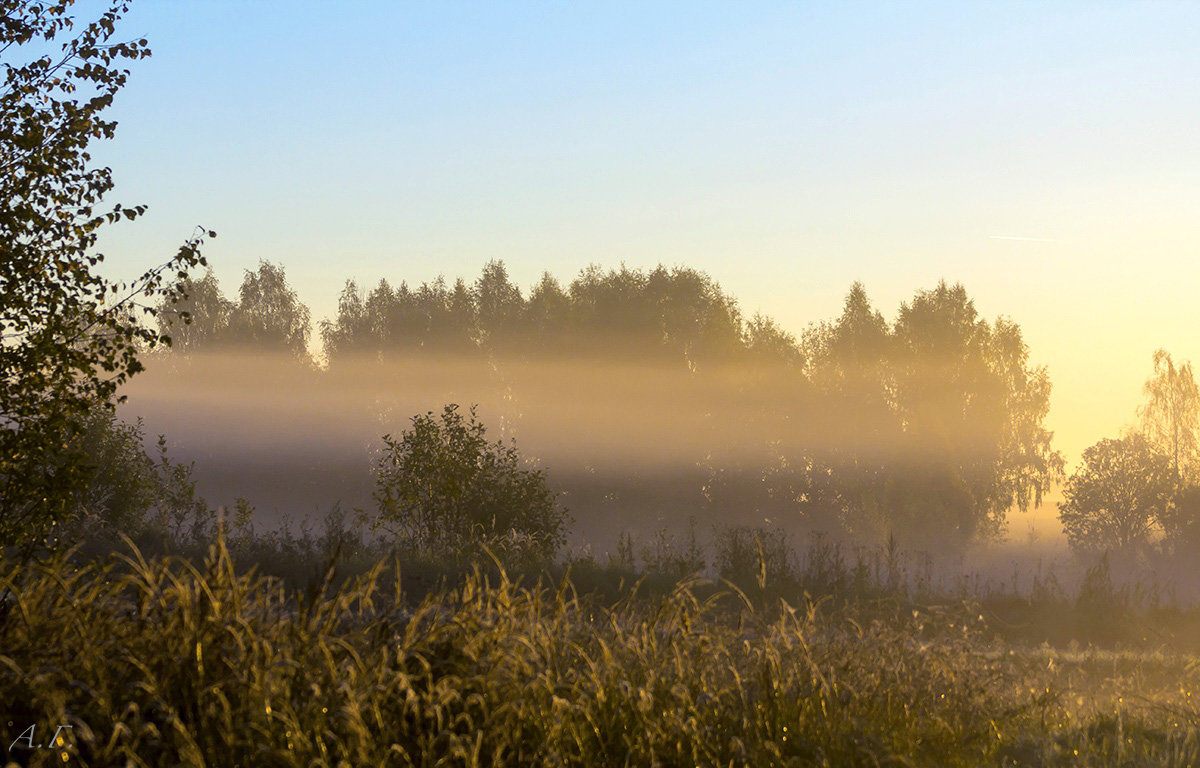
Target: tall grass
(162,662)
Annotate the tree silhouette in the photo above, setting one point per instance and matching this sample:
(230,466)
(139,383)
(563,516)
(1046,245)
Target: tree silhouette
(354,330)
(768,344)
(547,317)
(1181,522)
(1170,418)
(611,313)
(697,321)
(68,337)
(200,318)
(387,321)
(855,421)
(930,429)
(394,317)
(972,409)
(462,332)
(269,316)
(498,306)
(678,316)
(1113,501)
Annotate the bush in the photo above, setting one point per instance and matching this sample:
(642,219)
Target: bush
(1181,522)
(442,486)
(748,556)
(664,556)
(129,491)
(123,481)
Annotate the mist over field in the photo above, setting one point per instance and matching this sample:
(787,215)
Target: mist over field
(630,446)
(627,443)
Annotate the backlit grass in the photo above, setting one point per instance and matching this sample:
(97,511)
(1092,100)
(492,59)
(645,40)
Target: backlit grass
(160,662)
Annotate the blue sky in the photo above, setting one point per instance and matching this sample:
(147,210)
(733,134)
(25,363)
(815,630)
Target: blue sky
(1045,155)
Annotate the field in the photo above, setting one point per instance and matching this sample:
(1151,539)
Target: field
(169,660)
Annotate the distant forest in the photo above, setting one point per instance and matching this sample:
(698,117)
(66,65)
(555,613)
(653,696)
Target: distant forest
(928,429)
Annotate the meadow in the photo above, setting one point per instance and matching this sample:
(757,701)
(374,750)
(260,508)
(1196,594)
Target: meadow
(327,649)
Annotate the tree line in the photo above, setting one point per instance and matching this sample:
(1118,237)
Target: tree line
(927,427)
(678,315)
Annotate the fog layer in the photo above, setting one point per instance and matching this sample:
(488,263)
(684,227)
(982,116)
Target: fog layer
(631,446)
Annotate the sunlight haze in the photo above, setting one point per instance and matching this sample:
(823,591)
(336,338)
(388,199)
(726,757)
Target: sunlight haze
(1043,156)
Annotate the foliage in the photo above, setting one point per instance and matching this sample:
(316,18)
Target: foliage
(1181,521)
(130,491)
(497,305)
(548,313)
(199,320)
(68,336)
(769,344)
(1170,418)
(123,484)
(268,316)
(385,321)
(443,486)
(972,409)
(747,556)
(663,556)
(1117,497)
(930,429)
(679,315)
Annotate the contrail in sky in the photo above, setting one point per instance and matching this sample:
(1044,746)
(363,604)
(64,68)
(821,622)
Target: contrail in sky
(1023,239)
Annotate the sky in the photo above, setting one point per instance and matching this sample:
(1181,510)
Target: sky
(1044,155)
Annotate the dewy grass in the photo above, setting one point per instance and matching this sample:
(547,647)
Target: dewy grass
(159,662)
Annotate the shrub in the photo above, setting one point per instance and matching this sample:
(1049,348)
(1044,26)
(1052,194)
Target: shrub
(747,556)
(1181,522)
(664,556)
(443,486)
(121,488)
(129,491)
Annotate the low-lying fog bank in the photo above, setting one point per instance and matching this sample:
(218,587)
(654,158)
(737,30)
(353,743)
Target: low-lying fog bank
(633,448)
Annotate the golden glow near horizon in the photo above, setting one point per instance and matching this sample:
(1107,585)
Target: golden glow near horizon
(1043,157)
